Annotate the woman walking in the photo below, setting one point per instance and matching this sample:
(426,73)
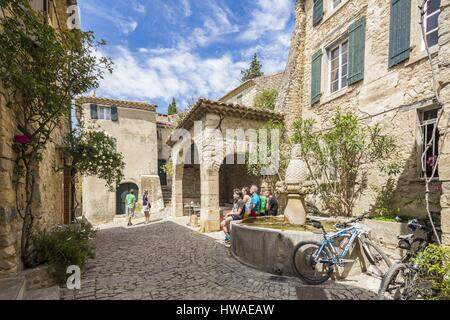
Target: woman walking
(146,206)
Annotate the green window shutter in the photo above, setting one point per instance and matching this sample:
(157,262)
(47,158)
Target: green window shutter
(316,77)
(94,114)
(317,12)
(400,32)
(114,114)
(356,50)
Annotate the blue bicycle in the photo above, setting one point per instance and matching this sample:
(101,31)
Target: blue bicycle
(314,262)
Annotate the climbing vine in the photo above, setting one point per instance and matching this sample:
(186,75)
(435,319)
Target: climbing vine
(42,69)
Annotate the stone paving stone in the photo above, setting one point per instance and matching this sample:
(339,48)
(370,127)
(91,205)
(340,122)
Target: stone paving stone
(168,261)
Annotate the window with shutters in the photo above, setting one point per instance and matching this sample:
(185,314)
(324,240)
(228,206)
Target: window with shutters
(428,135)
(338,66)
(400,32)
(431,21)
(104,113)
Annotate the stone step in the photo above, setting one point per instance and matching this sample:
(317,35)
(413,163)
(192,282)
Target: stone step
(12,288)
(52,293)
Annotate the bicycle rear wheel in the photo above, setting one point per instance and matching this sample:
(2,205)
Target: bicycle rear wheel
(379,261)
(398,284)
(312,271)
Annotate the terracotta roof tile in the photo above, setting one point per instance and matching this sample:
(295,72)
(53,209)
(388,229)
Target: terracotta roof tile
(209,106)
(117,103)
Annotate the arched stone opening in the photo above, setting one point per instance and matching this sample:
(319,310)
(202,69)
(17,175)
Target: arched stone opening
(232,176)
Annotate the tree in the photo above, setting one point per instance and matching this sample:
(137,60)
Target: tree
(254,71)
(338,159)
(41,71)
(266,99)
(94,153)
(172,109)
(257,166)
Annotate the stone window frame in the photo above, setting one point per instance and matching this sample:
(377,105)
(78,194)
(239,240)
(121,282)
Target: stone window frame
(421,144)
(103,116)
(330,9)
(335,4)
(338,45)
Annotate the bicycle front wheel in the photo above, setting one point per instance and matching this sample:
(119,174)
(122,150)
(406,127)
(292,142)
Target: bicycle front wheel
(312,270)
(379,261)
(398,284)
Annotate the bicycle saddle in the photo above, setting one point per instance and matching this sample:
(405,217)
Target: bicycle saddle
(406,237)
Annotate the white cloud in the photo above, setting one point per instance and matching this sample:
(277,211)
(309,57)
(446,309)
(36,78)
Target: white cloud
(215,26)
(125,24)
(268,16)
(187,8)
(166,73)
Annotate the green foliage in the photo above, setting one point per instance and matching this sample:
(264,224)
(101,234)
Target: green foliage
(266,99)
(65,246)
(434,269)
(254,71)
(172,109)
(257,165)
(338,158)
(94,153)
(386,198)
(168,167)
(42,70)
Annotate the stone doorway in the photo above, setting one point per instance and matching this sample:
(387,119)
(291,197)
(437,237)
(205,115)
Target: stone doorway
(121,194)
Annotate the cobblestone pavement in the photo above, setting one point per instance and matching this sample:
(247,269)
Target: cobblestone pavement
(165,260)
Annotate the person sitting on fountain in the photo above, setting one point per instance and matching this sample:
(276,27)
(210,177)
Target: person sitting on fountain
(237,213)
(256,201)
(272,204)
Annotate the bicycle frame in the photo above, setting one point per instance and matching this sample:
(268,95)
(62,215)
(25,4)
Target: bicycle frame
(354,232)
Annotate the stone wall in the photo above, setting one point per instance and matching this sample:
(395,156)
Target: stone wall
(48,197)
(391,97)
(250,92)
(444,89)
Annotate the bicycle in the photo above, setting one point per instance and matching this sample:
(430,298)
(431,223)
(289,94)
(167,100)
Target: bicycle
(314,262)
(401,281)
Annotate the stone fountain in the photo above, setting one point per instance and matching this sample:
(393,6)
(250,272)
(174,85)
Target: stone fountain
(296,186)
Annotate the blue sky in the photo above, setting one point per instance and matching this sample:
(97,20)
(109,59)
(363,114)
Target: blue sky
(186,48)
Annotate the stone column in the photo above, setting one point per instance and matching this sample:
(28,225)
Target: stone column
(209,214)
(177,191)
(444,83)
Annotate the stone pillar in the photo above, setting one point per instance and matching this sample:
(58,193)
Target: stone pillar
(177,191)
(209,214)
(444,83)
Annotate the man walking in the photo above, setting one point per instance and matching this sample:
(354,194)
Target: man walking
(131,206)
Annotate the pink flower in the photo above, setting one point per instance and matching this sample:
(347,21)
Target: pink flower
(22,139)
(431,161)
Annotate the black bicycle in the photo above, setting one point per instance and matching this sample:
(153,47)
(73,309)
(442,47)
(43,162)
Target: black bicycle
(401,280)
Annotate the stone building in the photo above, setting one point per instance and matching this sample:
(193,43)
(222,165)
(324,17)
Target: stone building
(139,133)
(246,93)
(53,194)
(208,163)
(369,57)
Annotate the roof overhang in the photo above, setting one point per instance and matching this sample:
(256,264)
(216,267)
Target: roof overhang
(205,106)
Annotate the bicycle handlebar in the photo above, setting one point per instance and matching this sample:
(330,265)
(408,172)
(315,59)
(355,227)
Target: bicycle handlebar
(354,220)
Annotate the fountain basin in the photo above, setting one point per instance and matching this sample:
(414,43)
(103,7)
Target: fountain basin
(269,248)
